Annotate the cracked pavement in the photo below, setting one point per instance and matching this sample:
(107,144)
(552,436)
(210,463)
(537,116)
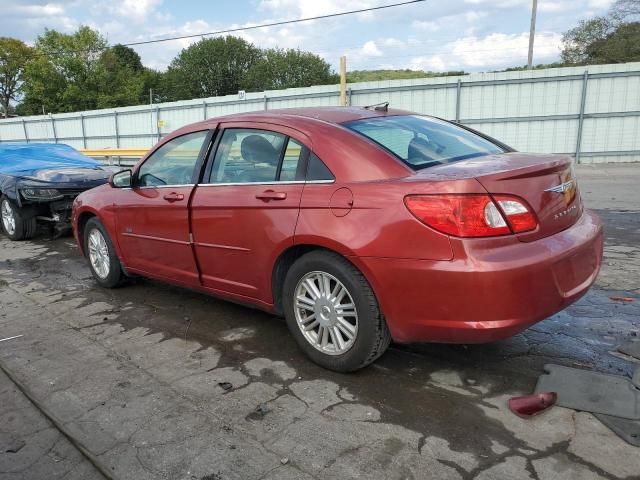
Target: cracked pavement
(160,382)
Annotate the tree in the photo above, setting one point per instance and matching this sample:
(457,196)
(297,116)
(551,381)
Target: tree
(127,57)
(620,46)
(602,40)
(211,67)
(13,58)
(577,41)
(626,10)
(121,77)
(277,69)
(64,74)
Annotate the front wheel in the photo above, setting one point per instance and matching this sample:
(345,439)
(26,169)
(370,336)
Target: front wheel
(103,260)
(332,312)
(15,223)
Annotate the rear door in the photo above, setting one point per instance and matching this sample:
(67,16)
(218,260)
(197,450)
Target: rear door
(244,212)
(153,216)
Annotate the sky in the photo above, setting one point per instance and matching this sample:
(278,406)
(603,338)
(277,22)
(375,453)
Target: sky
(470,35)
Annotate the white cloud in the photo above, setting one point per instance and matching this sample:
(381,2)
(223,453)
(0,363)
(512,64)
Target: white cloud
(46,10)
(426,25)
(313,8)
(493,51)
(499,3)
(370,49)
(600,4)
(433,35)
(393,43)
(136,8)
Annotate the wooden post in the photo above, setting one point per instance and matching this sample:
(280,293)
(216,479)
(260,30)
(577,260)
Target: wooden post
(343,81)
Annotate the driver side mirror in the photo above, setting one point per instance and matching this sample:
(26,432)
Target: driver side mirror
(121,179)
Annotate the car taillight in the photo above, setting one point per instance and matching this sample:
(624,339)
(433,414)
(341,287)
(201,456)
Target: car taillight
(472,215)
(520,217)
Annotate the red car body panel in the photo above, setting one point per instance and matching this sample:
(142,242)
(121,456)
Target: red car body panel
(226,239)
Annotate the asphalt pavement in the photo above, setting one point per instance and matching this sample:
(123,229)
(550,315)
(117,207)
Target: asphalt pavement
(151,381)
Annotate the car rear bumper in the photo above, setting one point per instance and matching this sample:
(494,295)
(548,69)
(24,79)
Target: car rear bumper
(493,289)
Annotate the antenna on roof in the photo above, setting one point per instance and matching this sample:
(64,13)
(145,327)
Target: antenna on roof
(379,107)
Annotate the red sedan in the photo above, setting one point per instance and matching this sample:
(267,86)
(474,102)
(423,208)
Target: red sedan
(359,225)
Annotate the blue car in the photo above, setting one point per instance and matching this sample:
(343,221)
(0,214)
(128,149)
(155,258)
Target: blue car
(38,183)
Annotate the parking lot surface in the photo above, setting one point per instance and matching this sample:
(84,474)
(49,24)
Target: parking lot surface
(153,381)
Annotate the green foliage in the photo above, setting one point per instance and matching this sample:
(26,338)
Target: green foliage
(620,46)
(577,41)
(375,75)
(123,80)
(277,69)
(626,10)
(539,66)
(64,73)
(614,38)
(13,56)
(211,67)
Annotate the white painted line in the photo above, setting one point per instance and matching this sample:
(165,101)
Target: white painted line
(11,338)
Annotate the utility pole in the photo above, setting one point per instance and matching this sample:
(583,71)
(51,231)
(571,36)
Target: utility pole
(532,33)
(343,81)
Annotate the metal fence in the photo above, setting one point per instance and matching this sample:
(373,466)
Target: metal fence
(591,112)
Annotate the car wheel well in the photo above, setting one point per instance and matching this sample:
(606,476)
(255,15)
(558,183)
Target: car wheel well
(82,222)
(282,266)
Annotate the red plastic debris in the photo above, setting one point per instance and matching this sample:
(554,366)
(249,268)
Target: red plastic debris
(530,405)
(621,299)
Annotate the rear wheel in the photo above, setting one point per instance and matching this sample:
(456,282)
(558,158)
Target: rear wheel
(15,223)
(332,312)
(103,260)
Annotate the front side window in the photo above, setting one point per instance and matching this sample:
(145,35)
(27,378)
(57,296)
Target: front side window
(173,163)
(422,142)
(247,156)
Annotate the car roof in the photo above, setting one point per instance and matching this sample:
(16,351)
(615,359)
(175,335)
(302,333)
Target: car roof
(290,116)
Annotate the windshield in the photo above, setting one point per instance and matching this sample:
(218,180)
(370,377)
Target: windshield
(423,141)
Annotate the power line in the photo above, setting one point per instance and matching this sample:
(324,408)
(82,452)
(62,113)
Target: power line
(230,30)
(272,24)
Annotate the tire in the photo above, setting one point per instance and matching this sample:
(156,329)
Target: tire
(346,349)
(15,223)
(99,251)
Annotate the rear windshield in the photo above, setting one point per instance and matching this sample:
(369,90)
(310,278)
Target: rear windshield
(423,141)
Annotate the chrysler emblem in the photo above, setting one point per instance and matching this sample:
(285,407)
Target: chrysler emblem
(563,187)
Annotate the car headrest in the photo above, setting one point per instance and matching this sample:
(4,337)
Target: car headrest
(257,149)
(420,148)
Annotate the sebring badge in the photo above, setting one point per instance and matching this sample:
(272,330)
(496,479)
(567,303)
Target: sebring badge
(563,187)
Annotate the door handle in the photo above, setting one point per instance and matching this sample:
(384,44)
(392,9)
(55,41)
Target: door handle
(271,195)
(173,197)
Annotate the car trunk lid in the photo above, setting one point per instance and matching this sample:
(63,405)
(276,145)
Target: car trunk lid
(546,182)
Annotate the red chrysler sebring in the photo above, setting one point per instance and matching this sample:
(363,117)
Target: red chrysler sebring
(359,225)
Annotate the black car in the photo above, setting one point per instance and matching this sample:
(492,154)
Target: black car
(38,183)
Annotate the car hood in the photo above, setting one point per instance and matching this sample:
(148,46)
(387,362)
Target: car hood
(73,175)
(28,159)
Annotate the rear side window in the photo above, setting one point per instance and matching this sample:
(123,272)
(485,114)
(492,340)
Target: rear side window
(317,170)
(247,156)
(422,142)
(291,162)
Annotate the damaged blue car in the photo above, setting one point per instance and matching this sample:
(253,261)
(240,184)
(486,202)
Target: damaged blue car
(38,183)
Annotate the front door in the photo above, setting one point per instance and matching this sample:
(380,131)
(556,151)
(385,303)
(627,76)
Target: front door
(153,216)
(245,211)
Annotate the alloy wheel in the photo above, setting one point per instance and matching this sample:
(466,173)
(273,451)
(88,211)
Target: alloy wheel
(8,217)
(99,254)
(326,313)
